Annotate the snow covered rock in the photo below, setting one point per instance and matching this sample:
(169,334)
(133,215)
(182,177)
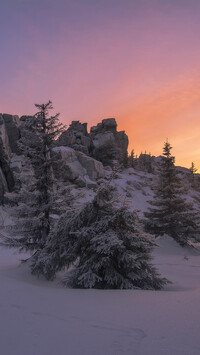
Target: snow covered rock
(94,168)
(67,167)
(71,165)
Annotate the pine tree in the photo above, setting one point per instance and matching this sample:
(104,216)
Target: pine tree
(106,246)
(194,178)
(126,159)
(171,213)
(132,159)
(35,201)
(193,169)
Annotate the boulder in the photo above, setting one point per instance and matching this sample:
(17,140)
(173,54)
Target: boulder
(109,124)
(66,165)
(103,140)
(93,167)
(75,166)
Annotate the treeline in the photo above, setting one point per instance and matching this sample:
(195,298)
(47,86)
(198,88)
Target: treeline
(146,162)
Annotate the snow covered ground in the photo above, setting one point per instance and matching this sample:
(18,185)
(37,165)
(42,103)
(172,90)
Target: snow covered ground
(38,317)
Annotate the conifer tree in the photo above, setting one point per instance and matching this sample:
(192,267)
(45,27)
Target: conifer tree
(35,201)
(193,169)
(106,245)
(171,214)
(126,159)
(132,159)
(194,179)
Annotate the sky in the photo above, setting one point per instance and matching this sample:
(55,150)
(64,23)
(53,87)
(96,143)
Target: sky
(135,60)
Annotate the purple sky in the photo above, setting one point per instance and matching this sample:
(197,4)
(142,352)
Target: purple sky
(137,61)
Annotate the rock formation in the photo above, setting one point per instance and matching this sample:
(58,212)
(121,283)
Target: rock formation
(74,166)
(76,137)
(79,154)
(103,143)
(109,145)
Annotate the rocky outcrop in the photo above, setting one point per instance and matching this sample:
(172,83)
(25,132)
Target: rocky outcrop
(66,166)
(104,142)
(79,154)
(76,137)
(109,145)
(76,167)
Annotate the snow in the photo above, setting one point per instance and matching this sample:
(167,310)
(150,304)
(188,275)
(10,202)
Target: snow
(42,318)
(38,317)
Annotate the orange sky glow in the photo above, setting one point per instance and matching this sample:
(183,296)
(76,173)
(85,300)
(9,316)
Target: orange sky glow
(135,60)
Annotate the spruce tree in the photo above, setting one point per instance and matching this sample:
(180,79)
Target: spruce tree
(106,246)
(193,169)
(171,214)
(194,176)
(35,200)
(132,159)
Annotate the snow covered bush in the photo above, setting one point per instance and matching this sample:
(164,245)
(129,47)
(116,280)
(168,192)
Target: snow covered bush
(106,246)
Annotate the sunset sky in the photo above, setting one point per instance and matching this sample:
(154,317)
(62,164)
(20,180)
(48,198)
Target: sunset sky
(135,60)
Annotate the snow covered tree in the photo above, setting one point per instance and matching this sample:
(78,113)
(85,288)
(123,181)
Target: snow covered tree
(171,214)
(106,246)
(34,202)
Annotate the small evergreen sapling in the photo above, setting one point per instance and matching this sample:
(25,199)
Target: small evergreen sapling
(106,245)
